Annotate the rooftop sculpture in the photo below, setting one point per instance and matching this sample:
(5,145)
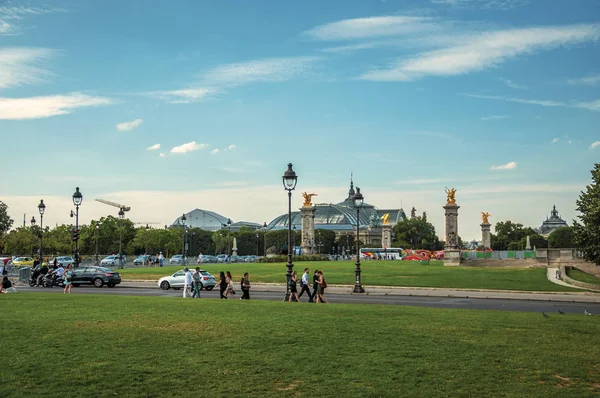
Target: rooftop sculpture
(308,198)
(451,199)
(484,217)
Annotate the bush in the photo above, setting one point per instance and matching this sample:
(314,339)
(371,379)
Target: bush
(283,259)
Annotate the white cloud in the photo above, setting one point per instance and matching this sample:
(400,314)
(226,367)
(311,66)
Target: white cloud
(360,28)
(188,147)
(507,166)
(495,117)
(595,144)
(128,126)
(185,95)
(23,65)
(39,107)
(554,140)
(215,151)
(484,4)
(231,147)
(591,105)
(153,147)
(514,85)
(587,81)
(15,14)
(162,155)
(265,70)
(484,50)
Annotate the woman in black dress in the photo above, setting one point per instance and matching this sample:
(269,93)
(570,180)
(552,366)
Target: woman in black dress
(222,284)
(293,288)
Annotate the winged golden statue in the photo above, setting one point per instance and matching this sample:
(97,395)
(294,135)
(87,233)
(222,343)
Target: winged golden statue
(308,198)
(451,199)
(484,217)
(386,218)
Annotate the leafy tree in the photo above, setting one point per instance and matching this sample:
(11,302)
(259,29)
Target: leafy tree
(562,237)
(587,233)
(22,241)
(5,221)
(416,233)
(508,232)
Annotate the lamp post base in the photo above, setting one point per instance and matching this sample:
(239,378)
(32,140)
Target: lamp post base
(358,288)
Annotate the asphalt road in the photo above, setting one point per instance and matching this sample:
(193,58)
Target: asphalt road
(436,302)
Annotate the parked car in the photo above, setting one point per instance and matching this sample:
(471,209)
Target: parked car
(63,260)
(142,260)
(113,260)
(178,259)
(22,261)
(98,276)
(206,259)
(251,259)
(177,281)
(221,258)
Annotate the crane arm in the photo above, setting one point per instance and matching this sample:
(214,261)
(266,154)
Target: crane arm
(108,202)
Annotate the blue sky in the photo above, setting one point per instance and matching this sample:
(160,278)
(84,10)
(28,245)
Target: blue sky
(201,104)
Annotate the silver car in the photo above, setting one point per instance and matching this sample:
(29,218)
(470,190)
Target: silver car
(177,281)
(112,261)
(178,259)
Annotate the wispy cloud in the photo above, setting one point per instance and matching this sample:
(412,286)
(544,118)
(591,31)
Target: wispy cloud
(507,166)
(495,117)
(128,126)
(40,107)
(586,81)
(230,147)
(185,95)
(590,105)
(153,147)
(233,183)
(488,49)
(483,4)
(23,65)
(511,84)
(554,140)
(595,144)
(234,169)
(11,17)
(215,151)
(262,70)
(188,147)
(162,155)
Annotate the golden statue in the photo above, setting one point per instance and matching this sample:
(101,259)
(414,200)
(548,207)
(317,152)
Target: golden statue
(386,218)
(451,192)
(308,198)
(484,217)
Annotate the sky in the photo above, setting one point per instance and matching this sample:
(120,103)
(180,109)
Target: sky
(168,106)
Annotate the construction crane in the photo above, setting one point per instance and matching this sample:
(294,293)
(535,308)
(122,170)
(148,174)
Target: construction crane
(108,202)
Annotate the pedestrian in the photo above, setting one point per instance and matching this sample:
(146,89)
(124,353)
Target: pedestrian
(293,287)
(229,280)
(6,286)
(161,259)
(322,287)
(304,285)
(68,279)
(187,283)
(196,283)
(245,285)
(222,284)
(315,285)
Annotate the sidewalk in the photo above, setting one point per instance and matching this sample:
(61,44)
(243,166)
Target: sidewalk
(584,297)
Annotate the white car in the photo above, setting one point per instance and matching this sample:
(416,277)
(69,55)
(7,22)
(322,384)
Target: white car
(112,261)
(177,280)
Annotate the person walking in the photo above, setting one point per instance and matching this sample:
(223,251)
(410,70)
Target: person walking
(304,285)
(196,276)
(68,279)
(230,290)
(315,285)
(161,259)
(222,284)
(293,288)
(322,285)
(188,283)
(245,285)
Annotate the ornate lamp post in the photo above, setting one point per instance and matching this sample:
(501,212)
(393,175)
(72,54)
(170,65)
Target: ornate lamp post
(228,236)
(358,202)
(294,238)
(77,199)
(289,184)
(32,225)
(265,239)
(97,227)
(257,244)
(147,228)
(121,215)
(42,209)
(183,218)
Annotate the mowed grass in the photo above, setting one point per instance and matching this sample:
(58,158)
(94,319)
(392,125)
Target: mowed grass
(379,273)
(106,346)
(583,277)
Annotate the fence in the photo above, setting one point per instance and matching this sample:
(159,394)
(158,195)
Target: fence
(498,254)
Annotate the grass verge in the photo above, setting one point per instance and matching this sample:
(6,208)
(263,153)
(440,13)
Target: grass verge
(381,273)
(582,276)
(101,346)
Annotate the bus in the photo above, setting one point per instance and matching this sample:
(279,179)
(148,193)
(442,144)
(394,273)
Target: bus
(378,253)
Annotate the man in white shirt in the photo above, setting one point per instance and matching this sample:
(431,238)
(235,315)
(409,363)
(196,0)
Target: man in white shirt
(305,286)
(188,283)
(59,271)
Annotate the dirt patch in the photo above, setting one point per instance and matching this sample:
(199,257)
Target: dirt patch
(289,387)
(564,381)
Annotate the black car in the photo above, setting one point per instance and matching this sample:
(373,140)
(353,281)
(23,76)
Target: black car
(98,276)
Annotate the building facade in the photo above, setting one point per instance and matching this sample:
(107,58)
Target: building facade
(552,222)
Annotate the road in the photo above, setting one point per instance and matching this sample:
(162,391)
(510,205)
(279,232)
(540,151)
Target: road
(436,302)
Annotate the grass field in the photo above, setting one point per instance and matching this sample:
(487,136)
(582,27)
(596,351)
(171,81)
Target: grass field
(106,346)
(380,273)
(583,277)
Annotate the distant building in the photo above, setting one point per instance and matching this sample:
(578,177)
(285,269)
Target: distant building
(552,222)
(211,221)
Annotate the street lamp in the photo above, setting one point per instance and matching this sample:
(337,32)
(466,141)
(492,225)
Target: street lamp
(228,236)
(32,225)
(183,218)
(265,239)
(289,184)
(42,209)
(257,244)
(147,227)
(77,199)
(121,215)
(358,202)
(97,227)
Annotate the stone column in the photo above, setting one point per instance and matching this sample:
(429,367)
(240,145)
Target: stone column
(386,236)
(308,229)
(486,237)
(451,249)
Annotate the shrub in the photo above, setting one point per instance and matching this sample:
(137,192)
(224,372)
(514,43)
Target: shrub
(283,259)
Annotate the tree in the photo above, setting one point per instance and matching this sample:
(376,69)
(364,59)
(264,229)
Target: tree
(562,238)
(508,232)
(5,221)
(22,241)
(416,233)
(587,233)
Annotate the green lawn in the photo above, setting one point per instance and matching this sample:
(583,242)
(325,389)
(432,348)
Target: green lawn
(106,346)
(583,277)
(381,273)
